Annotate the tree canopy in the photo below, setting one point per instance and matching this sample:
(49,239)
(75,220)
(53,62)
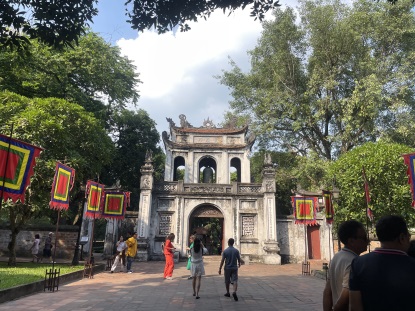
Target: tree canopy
(67,132)
(387,179)
(329,79)
(93,74)
(133,133)
(61,22)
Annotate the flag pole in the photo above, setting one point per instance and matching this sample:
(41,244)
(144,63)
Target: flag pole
(367,195)
(5,166)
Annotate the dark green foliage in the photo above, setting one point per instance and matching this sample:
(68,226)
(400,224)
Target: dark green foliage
(387,178)
(54,22)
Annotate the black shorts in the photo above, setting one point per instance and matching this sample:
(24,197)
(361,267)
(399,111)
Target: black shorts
(47,253)
(231,275)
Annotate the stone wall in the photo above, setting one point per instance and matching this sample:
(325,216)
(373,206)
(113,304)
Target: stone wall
(65,244)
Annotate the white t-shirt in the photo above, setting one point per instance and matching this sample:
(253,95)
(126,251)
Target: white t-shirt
(339,271)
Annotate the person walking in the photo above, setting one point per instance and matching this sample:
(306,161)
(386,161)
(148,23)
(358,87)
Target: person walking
(168,251)
(131,251)
(47,250)
(354,238)
(384,279)
(120,256)
(232,260)
(35,248)
(189,255)
(197,266)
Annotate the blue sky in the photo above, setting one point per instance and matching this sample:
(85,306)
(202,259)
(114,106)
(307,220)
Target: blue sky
(177,70)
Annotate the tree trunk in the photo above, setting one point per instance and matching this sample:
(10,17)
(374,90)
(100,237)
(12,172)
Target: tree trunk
(12,248)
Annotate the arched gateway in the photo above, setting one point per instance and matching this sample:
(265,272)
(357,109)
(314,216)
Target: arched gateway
(207,189)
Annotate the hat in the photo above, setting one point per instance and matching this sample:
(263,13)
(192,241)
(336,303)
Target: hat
(50,233)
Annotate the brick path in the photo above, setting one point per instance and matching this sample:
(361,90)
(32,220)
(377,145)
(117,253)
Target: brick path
(261,287)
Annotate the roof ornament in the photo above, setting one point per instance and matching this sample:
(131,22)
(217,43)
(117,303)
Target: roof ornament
(208,123)
(170,122)
(183,121)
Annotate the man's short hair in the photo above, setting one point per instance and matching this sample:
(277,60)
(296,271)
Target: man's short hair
(231,241)
(348,229)
(389,228)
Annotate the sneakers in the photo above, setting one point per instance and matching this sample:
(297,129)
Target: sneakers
(227,295)
(131,271)
(112,271)
(190,277)
(235,297)
(169,278)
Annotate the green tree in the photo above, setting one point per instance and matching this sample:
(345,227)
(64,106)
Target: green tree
(93,74)
(336,79)
(68,134)
(134,132)
(387,179)
(293,172)
(60,23)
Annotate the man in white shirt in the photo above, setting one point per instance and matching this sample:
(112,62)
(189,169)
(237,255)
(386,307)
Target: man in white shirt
(336,293)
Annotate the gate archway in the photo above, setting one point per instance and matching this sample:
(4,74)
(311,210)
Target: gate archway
(206,222)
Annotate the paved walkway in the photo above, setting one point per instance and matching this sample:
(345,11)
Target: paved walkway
(261,287)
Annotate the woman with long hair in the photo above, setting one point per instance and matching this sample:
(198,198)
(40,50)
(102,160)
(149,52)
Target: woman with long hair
(197,268)
(168,251)
(189,260)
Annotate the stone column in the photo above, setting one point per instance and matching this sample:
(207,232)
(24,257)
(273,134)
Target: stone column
(144,214)
(270,247)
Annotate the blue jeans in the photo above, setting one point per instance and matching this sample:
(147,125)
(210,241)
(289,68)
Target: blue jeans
(129,262)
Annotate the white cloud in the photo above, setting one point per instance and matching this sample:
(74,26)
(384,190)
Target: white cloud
(177,69)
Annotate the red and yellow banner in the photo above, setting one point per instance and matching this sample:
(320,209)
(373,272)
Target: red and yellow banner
(94,193)
(328,204)
(62,185)
(17,160)
(305,210)
(115,204)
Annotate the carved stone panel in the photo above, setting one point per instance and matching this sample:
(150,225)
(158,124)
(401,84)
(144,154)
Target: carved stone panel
(165,204)
(248,226)
(207,140)
(207,211)
(234,140)
(248,205)
(165,222)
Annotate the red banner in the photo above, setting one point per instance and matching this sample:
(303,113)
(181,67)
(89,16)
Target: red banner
(115,204)
(409,160)
(17,160)
(305,210)
(367,195)
(328,204)
(62,185)
(94,193)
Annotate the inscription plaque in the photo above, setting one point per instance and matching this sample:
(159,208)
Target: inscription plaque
(248,226)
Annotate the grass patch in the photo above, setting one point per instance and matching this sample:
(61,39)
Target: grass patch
(28,272)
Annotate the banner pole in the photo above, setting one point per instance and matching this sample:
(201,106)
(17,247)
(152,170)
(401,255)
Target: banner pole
(5,166)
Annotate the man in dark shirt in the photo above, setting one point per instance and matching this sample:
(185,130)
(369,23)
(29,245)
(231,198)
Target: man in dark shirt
(385,278)
(232,261)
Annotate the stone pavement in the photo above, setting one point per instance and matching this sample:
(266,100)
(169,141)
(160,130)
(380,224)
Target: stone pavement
(261,287)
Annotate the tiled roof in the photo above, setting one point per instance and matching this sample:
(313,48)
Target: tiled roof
(209,130)
(206,146)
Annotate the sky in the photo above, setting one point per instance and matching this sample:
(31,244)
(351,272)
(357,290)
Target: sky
(177,69)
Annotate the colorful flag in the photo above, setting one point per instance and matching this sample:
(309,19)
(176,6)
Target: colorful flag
(369,210)
(94,193)
(328,204)
(20,158)
(62,185)
(305,210)
(409,160)
(115,204)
